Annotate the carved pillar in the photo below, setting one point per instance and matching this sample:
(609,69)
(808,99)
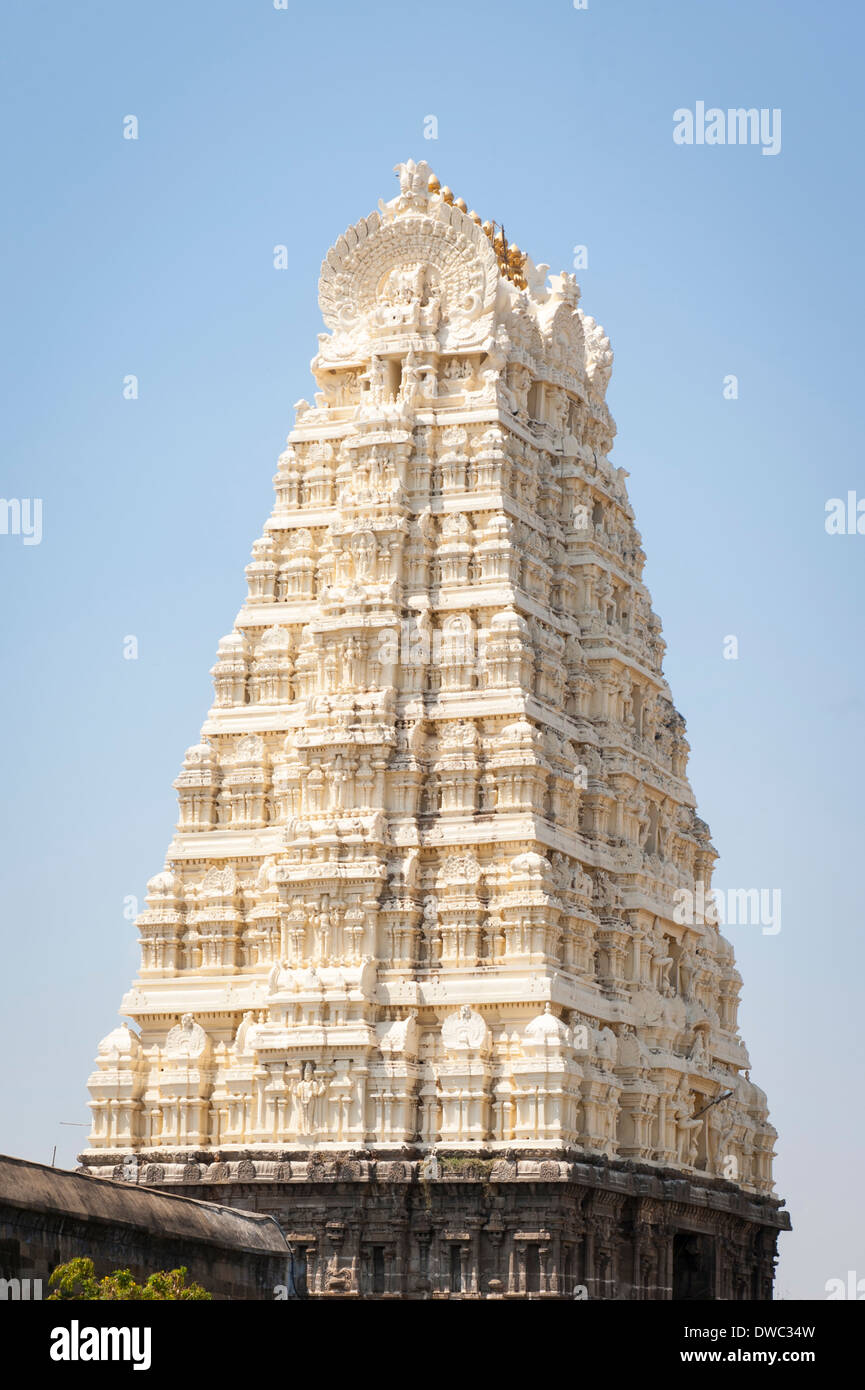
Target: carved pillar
(313,1271)
(649,1264)
(395,1276)
(665,1262)
(521,1268)
(354,1260)
(423,1244)
(604,1259)
(589,1260)
(436,1270)
(554,1280)
(641,1235)
(544,1269)
(474,1264)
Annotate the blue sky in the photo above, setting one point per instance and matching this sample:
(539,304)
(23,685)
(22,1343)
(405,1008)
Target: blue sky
(154,257)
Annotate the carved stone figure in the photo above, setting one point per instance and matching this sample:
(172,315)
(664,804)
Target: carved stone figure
(243,1031)
(307,1092)
(466,1030)
(186,1039)
(687,1126)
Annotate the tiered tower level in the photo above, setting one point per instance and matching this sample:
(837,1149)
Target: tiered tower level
(421,898)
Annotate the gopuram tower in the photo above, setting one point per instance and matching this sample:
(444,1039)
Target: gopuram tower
(417,977)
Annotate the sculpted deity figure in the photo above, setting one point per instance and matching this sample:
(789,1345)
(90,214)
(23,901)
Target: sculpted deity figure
(493,372)
(428,380)
(687,1126)
(411,378)
(280,978)
(354,662)
(432,309)
(306,1093)
(413,178)
(376,378)
(409,299)
(725,1124)
(331,670)
(324,925)
(465,1030)
(186,1039)
(247,1022)
(405,285)
(698,1054)
(688,965)
(455,369)
(574,654)
(605,594)
(661,962)
(363,549)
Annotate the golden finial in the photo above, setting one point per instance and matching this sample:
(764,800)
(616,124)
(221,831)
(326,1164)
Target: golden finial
(434,186)
(447,195)
(461,204)
(487,229)
(475,218)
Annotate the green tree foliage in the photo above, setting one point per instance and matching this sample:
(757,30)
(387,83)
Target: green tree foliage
(77,1280)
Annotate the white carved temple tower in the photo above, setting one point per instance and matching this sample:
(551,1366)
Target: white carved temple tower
(420,926)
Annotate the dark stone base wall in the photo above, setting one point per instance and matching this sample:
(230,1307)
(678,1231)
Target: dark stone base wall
(483,1230)
(49,1216)
(33,1243)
